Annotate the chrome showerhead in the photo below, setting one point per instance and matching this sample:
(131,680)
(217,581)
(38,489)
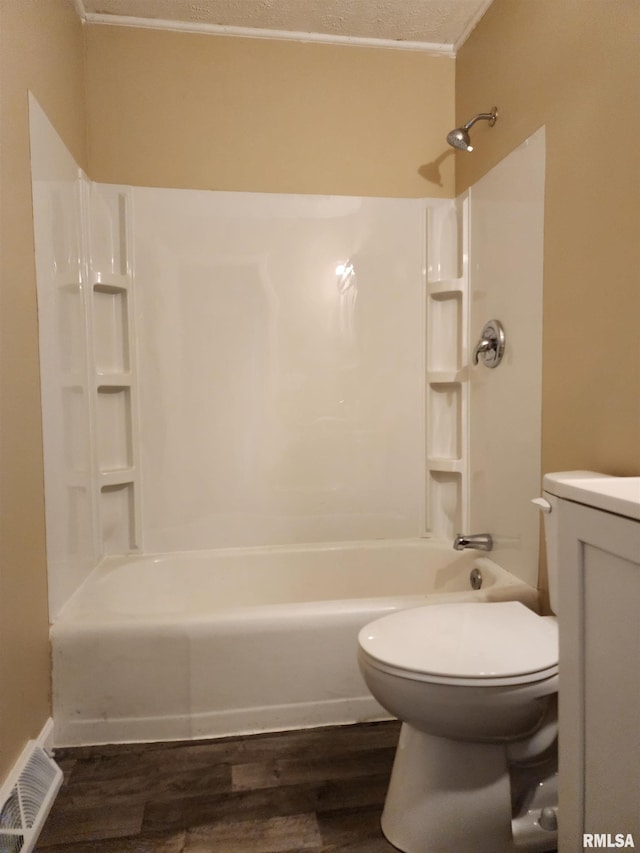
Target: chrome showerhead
(459,137)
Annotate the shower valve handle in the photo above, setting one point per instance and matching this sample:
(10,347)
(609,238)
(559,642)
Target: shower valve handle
(490,347)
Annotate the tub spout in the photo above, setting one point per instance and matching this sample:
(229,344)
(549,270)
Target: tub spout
(481,541)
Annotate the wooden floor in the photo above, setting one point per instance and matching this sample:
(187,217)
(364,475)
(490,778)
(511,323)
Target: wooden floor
(316,790)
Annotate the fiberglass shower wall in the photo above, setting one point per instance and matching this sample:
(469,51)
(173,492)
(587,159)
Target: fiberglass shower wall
(59,187)
(280,345)
(505,403)
(87,363)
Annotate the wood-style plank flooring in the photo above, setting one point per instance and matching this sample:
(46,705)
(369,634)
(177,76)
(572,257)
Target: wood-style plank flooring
(315,790)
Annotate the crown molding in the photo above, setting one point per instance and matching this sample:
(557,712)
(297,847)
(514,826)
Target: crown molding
(433,49)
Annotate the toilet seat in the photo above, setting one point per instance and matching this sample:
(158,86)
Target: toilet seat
(467,643)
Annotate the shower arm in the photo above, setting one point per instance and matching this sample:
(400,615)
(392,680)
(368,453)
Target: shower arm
(490,117)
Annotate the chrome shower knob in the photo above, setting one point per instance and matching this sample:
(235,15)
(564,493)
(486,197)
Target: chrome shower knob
(490,347)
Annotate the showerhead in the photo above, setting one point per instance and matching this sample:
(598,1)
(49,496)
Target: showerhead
(459,137)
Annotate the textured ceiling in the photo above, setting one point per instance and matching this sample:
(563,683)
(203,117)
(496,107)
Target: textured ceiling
(432,24)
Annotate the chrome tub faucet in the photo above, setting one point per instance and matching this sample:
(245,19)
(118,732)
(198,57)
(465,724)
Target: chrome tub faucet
(480,541)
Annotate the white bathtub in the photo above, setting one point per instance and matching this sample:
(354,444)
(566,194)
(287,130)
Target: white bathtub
(214,643)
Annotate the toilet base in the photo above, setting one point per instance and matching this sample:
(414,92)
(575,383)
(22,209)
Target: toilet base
(448,796)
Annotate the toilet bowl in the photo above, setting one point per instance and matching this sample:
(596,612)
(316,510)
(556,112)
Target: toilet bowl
(474,685)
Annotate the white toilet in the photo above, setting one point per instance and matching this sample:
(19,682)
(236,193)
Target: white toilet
(475,686)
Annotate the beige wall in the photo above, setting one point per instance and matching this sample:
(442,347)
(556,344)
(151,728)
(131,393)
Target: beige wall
(190,110)
(40,49)
(573,66)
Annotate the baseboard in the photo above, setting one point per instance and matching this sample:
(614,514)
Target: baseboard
(45,738)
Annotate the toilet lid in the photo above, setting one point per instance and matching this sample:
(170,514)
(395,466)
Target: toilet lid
(465,640)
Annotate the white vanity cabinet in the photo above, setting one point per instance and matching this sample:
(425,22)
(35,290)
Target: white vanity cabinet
(599,630)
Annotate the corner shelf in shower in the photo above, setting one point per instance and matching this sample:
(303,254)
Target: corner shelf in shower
(447,371)
(107,382)
(114,371)
(110,478)
(112,283)
(446,289)
(446,466)
(447,377)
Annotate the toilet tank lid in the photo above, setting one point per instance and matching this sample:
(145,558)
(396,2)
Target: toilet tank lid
(464,640)
(620,495)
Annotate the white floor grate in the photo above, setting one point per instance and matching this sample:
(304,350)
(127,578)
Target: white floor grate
(26,799)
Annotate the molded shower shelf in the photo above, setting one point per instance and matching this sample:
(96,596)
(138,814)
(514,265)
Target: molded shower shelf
(445,289)
(447,377)
(114,430)
(114,369)
(444,426)
(446,466)
(111,327)
(444,345)
(445,502)
(118,518)
(108,382)
(111,284)
(446,368)
(117,477)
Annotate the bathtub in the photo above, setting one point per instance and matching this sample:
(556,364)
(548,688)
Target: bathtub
(204,644)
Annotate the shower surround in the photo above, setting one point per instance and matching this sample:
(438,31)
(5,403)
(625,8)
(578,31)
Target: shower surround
(240,370)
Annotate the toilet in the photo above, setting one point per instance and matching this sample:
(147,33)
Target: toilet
(475,687)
